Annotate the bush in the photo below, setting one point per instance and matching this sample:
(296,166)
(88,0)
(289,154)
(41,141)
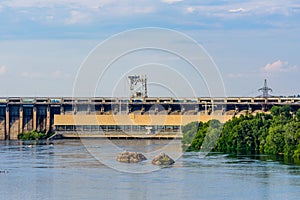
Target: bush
(32,135)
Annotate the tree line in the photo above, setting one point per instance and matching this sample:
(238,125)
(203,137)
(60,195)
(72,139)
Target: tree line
(277,133)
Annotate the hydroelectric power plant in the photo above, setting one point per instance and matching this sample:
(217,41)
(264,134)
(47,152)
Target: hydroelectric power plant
(138,116)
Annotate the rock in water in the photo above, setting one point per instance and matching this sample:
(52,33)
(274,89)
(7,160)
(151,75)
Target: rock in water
(130,157)
(162,159)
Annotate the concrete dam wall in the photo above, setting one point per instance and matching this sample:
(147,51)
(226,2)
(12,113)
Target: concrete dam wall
(95,116)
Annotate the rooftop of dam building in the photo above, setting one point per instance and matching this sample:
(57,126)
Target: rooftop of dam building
(145,100)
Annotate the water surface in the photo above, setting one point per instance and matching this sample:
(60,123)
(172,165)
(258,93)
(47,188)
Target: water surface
(65,169)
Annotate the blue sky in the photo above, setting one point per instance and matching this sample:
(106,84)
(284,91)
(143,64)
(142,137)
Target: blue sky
(43,42)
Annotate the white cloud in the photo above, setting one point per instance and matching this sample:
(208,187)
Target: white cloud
(58,74)
(144,10)
(51,3)
(190,9)
(278,66)
(26,74)
(251,8)
(171,1)
(3,70)
(91,10)
(76,17)
(238,10)
(236,75)
(50,17)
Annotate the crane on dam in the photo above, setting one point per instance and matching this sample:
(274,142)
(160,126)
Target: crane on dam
(138,86)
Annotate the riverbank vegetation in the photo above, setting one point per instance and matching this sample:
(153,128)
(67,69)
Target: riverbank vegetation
(33,135)
(277,133)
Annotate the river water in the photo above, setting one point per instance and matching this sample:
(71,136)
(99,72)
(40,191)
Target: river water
(74,169)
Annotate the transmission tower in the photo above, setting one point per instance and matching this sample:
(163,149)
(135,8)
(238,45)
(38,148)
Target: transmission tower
(265,90)
(138,85)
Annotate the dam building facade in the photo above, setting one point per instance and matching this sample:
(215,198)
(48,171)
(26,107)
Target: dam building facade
(95,117)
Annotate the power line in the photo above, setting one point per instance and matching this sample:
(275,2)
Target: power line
(265,90)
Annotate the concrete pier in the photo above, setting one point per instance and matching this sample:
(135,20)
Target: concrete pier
(7,125)
(21,120)
(34,119)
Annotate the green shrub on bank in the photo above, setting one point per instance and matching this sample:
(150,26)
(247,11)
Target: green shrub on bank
(277,133)
(32,135)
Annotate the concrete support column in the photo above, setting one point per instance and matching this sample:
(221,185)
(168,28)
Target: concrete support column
(62,110)
(196,109)
(169,109)
(143,110)
(250,109)
(205,108)
(2,135)
(182,110)
(209,111)
(21,120)
(223,109)
(34,118)
(7,125)
(48,125)
(237,110)
(2,130)
(155,110)
(74,109)
(89,109)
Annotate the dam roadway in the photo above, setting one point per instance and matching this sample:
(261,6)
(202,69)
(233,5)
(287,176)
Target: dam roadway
(150,117)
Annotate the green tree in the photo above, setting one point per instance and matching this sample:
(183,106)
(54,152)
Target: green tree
(189,131)
(212,135)
(275,110)
(277,133)
(297,116)
(226,142)
(291,138)
(199,138)
(281,113)
(296,154)
(286,112)
(275,140)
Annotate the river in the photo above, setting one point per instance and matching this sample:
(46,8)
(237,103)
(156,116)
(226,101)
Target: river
(74,169)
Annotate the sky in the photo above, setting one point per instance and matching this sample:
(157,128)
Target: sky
(43,43)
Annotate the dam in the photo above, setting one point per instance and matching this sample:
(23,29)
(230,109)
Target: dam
(160,117)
